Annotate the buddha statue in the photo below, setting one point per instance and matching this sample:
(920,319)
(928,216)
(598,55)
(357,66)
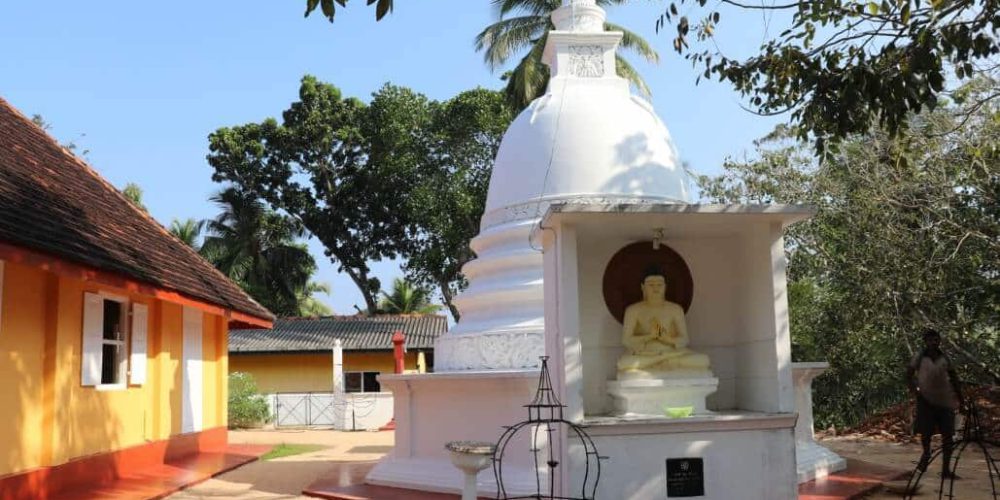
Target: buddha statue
(655,335)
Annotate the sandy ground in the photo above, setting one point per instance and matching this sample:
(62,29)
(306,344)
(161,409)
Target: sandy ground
(285,478)
(974,485)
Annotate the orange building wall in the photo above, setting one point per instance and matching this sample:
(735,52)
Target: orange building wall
(309,372)
(49,417)
(22,323)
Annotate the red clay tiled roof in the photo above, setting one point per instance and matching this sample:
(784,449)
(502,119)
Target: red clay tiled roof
(54,203)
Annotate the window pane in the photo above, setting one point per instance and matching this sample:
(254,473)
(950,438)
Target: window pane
(372,385)
(110,364)
(112,320)
(352,382)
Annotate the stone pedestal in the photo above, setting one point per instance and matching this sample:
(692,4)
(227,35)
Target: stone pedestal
(650,396)
(811,459)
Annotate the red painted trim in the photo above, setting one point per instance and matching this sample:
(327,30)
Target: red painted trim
(44,482)
(72,270)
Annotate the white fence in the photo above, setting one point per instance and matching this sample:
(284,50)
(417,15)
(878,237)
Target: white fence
(342,411)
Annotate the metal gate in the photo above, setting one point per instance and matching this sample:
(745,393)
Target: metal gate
(321,408)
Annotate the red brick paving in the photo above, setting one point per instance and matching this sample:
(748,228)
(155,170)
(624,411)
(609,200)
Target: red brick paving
(857,479)
(160,481)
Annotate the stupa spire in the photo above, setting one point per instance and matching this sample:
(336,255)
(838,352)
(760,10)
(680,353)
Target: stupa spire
(579,46)
(579,16)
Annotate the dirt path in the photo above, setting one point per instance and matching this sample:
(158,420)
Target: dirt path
(974,485)
(284,478)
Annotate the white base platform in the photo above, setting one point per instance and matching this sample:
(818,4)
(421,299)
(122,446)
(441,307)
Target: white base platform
(746,455)
(432,409)
(651,396)
(814,461)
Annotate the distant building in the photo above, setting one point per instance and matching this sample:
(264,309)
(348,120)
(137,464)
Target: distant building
(113,333)
(297,354)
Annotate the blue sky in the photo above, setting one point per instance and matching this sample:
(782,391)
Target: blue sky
(146,82)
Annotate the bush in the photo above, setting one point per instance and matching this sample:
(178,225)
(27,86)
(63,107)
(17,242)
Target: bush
(247,407)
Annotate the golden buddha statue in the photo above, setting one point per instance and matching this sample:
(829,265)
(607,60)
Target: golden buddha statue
(655,335)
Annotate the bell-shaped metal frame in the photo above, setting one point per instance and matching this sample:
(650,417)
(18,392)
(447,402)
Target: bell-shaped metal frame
(545,419)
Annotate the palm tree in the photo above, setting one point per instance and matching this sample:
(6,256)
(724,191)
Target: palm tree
(187,231)
(256,248)
(529,30)
(406,299)
(309,306)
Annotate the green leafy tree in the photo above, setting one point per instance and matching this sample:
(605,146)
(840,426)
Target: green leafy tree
(187,230)
(247,407)
(527,31)
(309,305)
(448,198)
(840,67)
(907,236)
(400,176)
(405,298)
(257,249)
(343,168)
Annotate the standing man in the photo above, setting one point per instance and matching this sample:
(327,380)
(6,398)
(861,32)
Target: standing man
(933,383)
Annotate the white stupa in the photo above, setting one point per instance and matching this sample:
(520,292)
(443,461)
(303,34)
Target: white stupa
(587,140)
(585,170)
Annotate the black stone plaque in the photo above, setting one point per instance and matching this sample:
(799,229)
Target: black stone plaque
(685,477)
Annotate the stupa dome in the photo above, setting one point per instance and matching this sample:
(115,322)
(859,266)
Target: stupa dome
(586,139)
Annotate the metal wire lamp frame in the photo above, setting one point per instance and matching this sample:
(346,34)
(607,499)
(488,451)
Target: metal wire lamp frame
(545,417)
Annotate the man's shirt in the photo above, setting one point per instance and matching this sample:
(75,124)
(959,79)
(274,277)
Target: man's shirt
(933,380)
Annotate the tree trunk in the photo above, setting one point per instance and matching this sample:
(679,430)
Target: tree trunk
(360,279)
(447,296)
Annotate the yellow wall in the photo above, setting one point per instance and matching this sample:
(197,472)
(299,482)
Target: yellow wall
(49,417)
(309,372)
(22,321)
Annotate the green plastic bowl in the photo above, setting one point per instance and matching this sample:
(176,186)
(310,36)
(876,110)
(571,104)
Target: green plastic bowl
(679,411)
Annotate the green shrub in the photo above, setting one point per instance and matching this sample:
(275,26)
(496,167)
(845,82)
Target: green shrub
(247,407)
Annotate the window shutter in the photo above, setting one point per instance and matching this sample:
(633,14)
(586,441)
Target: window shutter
(93,333)
(137,354)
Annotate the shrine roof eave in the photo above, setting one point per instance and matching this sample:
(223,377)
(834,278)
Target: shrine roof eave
(787,214)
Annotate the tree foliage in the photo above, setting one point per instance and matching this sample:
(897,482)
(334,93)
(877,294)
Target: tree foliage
(400,176)
(328,166)
(329,7)
(133,193)
(188,231)
(247,407)
(907,235)
(841,66)
(257,249)
(527,31)
(405,298)
(447,201)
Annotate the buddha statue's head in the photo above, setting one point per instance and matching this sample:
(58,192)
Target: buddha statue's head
(654,286)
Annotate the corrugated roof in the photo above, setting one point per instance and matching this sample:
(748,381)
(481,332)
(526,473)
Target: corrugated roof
(54,203)
(354,332)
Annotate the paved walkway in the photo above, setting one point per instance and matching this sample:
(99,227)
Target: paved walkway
(285,478)
(159,481)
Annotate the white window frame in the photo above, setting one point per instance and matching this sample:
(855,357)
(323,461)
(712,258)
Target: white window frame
(362,382)
(122,343)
